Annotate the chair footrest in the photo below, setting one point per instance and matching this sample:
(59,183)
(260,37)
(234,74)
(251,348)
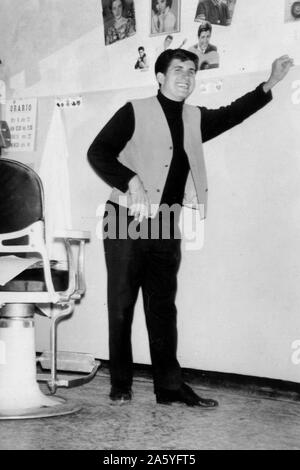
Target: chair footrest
(69,361)
(69,381)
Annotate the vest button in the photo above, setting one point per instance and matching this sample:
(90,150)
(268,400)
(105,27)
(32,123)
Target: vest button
(166,166)
(171,148)
(158,190)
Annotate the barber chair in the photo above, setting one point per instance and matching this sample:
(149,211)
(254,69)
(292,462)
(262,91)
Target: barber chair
(23,237)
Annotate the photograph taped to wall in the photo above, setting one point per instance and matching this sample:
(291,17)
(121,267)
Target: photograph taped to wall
(292,11)
(165,16)
(119,20)
(142,62)
(218,12)
(167,43)
(206,52)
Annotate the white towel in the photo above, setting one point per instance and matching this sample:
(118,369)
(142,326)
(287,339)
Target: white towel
(55,178)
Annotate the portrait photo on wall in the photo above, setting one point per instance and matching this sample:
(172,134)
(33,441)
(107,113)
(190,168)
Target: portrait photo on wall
(207,53)
(165,16)
(169,43)
(292,11)
(219,12)
(142,62)
(119,20)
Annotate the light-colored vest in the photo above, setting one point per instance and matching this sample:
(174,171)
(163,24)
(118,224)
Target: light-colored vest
(149,154)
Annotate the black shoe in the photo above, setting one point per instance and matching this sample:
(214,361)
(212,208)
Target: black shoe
(184,395)
(120,394)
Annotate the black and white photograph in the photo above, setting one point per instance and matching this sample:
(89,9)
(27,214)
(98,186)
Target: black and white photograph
(165,16)
(168,42)
(149,229)
(219,12)
(119,20)
(142,62)
(292,11)
(206,51)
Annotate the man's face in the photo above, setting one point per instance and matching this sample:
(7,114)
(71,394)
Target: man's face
(179,81)
(204,39)
(296,9)
(117,9)
(141,52)
(161,5)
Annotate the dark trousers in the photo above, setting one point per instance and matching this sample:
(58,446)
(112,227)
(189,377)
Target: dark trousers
(151,265)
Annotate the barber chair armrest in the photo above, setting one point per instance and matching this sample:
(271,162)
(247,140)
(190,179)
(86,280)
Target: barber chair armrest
(76,280)
(73,235)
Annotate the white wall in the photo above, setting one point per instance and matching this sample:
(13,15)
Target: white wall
(238,297)
(53,47)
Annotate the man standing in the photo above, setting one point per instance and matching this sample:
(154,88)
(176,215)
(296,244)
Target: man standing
(146,153)
(214,11)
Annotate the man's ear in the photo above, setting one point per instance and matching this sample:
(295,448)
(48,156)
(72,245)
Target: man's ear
(160,78)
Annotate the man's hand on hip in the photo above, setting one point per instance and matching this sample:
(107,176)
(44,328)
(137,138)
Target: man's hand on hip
(140,204)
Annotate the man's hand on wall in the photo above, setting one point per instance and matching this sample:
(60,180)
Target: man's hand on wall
(140,206)
(280,69)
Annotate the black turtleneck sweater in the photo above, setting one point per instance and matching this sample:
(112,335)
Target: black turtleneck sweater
(111,140)
(174,187)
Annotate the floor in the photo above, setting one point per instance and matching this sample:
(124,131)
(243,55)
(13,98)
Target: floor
(240,422)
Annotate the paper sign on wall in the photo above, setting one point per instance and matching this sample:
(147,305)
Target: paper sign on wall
(212,86)
(21,118)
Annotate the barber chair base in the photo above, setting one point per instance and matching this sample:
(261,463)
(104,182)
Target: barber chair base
(20,395)
(52,407)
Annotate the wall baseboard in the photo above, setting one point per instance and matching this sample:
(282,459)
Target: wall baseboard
(234,383)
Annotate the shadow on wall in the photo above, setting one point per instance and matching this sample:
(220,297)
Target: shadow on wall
(32,30)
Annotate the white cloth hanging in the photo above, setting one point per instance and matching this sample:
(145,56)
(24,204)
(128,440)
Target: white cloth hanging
(54,174)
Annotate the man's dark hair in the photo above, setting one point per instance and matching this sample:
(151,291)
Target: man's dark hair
(141,48)
(165,58)
(205,26)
